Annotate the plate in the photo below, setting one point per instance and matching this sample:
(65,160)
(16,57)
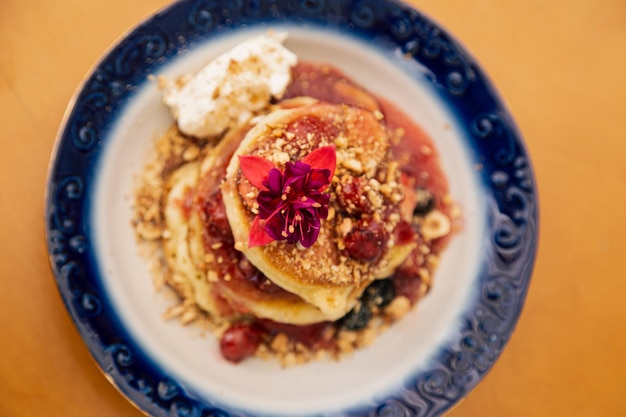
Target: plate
(421,367)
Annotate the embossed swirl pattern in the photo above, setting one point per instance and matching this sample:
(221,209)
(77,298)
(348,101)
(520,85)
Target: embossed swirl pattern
(512,208)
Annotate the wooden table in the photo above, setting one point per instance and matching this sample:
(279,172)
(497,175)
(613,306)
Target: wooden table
(561,66)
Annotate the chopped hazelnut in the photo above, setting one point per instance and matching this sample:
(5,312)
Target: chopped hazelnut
(341,141)
(435,225)
(353,165)
(398,307)
(374,198)
(212,276)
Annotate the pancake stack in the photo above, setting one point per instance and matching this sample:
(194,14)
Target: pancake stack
(211,205)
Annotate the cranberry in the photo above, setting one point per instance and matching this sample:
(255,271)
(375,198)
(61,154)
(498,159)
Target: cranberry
(408,286)
(240,341)
(366,242)
(352,197)
(215,217)
(407,281)
(404,233)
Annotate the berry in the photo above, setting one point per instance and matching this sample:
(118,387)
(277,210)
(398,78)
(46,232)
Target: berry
(352,198)
(240,341)
(215,218)
(366,242)
(379,293)
(357,318)
(407,281)
(425,202)
(404,233)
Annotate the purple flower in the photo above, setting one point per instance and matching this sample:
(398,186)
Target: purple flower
(291,203)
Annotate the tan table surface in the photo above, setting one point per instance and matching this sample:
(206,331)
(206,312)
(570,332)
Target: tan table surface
(561,66)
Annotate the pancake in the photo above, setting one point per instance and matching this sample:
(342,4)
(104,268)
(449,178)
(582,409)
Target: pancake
(200,251)
(186,278)
(356,243)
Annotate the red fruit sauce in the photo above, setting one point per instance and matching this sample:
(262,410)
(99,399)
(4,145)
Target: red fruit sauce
(420,164)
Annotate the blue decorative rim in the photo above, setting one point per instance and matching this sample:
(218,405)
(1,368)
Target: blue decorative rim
(506,172)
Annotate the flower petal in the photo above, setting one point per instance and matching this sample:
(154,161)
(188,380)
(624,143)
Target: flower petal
(258,236)
(291,203)
(310,236)
(319,179)
(322,158)
(255,169)
(275,226)
(274,182)
(303,203)
(295,175)
(269,204)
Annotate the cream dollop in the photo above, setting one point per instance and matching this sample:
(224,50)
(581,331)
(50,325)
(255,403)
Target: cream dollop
(232,87)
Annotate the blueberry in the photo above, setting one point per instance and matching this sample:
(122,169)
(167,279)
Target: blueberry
(425,202)
(357,318)
(379,293)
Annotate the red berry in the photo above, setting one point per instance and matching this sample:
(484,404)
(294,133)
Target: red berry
(407,279)
(404,233)
(408,284)
(352,196)
(240,341)
(215,218)
(366,242)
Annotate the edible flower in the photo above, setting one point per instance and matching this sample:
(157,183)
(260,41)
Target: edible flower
(292,203)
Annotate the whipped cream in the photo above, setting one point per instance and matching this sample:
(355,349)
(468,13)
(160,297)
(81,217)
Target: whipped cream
(232,87)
